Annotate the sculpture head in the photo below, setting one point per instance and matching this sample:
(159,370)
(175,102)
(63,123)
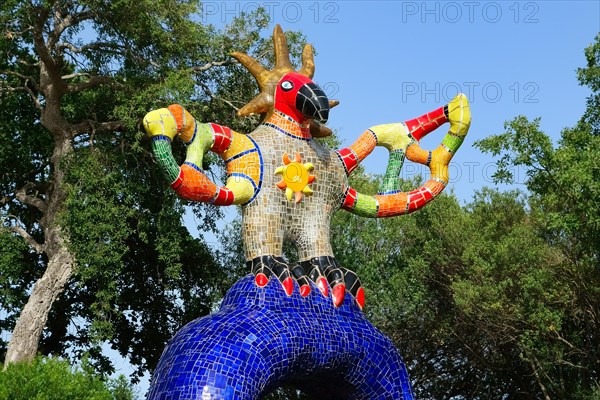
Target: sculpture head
(301,98)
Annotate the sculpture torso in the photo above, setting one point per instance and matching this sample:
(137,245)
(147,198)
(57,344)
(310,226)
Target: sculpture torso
(289,185)
(271,218)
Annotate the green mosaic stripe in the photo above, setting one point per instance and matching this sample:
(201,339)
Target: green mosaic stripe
(202,142)
(452,142)
(391,180)
(366,206)
(162,151)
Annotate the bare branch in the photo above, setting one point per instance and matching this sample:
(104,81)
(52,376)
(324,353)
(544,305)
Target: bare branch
(38,39)
(212,64)
(34,97)
(11,35)
(28,80)
(37,247)
(215,97)
(25,63)
(73,19)
(23,197)
(11,89)
(94,81)
(90,46)
(566,342)
(22,76)
(62,23)
(109,126)
(97,127)
(75,75)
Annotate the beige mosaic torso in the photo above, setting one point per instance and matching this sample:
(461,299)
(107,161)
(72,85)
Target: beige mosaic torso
(271,218)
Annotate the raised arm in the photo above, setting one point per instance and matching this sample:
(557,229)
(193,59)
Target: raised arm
(402,140)
(189,180)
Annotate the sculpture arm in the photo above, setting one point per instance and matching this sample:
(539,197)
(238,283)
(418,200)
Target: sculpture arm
(402,140)
(189,180)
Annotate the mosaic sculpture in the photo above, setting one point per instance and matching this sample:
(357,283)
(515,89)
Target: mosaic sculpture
(289,186)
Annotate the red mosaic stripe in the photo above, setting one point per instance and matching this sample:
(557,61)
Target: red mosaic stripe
(349,159)
(421,126)
(224,197)
(418,198)
(350,199)
(222,136)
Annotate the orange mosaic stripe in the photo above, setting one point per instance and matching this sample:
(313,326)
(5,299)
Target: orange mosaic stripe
(415,153)
(391,204)
(186,124)
(194,185)
(291,127)
(364,145)
(435,186)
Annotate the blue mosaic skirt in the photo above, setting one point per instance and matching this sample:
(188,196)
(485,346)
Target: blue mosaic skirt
(261,339)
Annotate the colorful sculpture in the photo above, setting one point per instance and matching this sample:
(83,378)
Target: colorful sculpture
(287,183)
(261,339)
(289,186)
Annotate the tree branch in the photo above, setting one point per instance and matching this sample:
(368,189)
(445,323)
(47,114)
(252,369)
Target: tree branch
(97,127)
(212,64)
(23,197)
(93,82)
(62,23)
(34,97)
(11,89)
(215,97)
(25,63)
(38,39)
(22,76)
(11,35)
(75,75)
(90,46)
(35,245)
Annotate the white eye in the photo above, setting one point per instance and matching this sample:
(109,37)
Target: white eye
(287,85)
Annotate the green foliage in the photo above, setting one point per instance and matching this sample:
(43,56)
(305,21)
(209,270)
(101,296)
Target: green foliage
(498,298)
(590,76)
(140,274)
(137,264)
(54,379)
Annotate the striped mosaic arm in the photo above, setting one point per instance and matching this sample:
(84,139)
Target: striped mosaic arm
(402,140)
(189,179)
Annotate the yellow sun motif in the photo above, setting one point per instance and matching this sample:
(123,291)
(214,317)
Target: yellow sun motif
(295,178)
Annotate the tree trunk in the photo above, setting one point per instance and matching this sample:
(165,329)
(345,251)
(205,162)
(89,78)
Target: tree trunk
(28,329)
(27,333)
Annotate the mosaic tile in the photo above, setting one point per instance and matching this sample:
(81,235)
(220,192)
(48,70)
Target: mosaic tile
(310,334)
(261,338)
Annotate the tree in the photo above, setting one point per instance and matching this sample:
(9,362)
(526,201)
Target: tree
(102,250)
(563,195)
(55,379)
(498,298)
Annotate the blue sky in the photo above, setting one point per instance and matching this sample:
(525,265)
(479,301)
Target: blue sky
(389,61)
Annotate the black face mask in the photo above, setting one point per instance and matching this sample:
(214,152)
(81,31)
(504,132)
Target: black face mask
(313,103)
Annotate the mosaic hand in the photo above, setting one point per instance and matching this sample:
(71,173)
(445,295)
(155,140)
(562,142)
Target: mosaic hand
(327,273)
(265,267)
